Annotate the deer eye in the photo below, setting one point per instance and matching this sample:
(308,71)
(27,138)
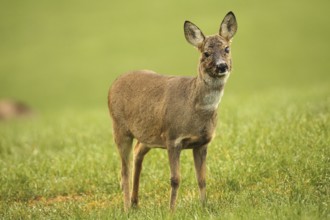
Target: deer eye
(206,54)
(227,49)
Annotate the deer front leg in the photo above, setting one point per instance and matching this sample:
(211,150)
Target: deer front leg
(200,168)
(174,159)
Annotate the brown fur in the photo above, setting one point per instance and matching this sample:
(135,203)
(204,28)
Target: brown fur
(171,112)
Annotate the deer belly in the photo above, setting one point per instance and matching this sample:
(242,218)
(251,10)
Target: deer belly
(189,142)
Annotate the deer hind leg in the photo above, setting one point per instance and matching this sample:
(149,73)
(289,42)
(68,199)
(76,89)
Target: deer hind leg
(200,168)
(124,145)
(140,150)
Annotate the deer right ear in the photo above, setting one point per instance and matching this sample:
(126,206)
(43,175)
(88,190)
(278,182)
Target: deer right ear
(228,26)
(193,34)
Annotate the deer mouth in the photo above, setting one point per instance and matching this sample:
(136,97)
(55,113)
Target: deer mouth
(217,74)
(220,75)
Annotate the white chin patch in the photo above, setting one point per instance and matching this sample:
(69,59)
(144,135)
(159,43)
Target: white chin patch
(224,74)
(219,79)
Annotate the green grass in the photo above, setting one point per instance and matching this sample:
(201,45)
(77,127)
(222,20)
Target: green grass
(270,158)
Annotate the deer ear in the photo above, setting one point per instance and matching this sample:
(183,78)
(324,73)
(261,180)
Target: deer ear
(193,34)
(228,26)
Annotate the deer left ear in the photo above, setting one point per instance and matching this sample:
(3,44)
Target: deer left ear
(193,34)
(228,26)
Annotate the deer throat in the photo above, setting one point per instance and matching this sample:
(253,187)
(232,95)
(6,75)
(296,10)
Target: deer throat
(210,100)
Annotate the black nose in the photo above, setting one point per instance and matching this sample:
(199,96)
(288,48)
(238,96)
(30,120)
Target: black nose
(222,67)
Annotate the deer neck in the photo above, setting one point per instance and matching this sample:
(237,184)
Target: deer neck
(208,93)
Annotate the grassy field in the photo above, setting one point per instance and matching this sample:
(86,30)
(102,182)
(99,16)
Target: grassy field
(269,160)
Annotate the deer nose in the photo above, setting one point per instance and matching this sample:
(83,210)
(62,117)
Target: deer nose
(222,67)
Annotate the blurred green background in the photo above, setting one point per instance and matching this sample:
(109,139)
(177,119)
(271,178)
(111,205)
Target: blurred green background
(65,54)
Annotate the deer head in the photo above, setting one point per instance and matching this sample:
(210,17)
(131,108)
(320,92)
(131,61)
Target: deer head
(215,61)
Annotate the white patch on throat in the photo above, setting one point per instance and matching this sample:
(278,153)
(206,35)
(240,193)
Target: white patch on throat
(212,100)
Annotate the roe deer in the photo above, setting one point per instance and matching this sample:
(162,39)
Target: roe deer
(172,112)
